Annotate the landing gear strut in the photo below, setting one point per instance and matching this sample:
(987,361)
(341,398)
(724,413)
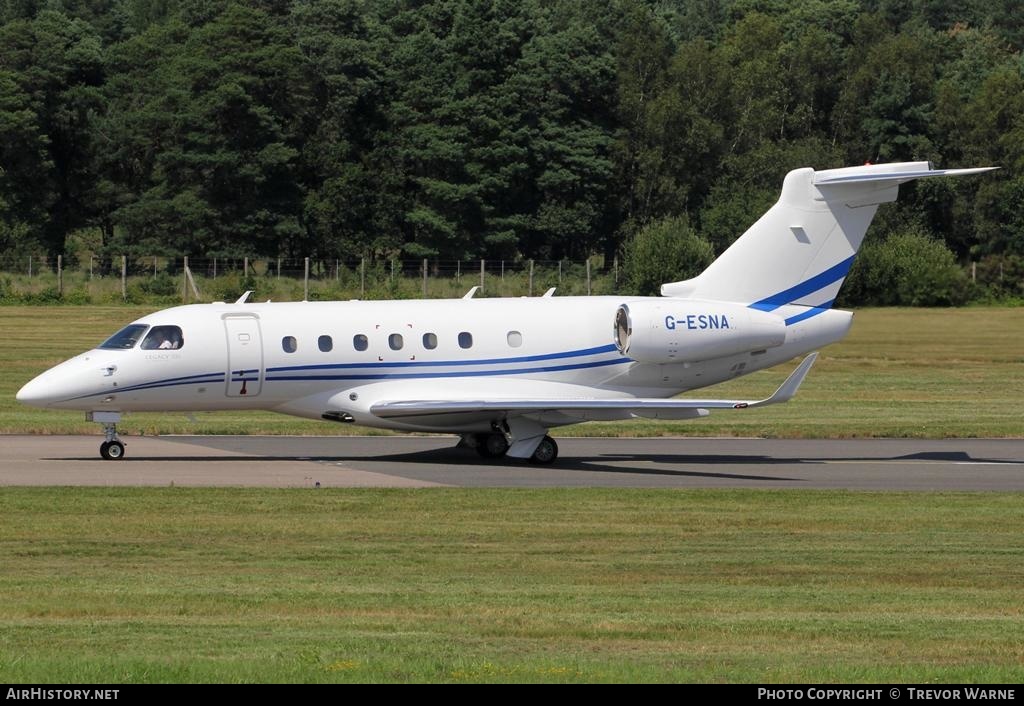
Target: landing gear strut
(112,449)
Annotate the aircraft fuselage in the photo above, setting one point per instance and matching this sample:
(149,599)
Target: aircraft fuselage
(312,358)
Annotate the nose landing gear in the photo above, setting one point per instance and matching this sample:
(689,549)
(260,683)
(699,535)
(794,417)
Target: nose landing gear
(112,449)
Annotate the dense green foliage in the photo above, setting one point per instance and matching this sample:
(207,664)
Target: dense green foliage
(461,128)
(664,251)
(908,268)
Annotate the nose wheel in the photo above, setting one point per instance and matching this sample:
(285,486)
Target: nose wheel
(112,450)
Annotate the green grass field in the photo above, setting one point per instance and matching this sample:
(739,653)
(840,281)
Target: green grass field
(901,373)
(127,585)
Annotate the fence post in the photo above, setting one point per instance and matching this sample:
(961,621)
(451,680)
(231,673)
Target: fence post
(305,282)
(615,264)
(124,277)
(362,276)
(337,270)
(279,268)
(30,267)
(588,276)
(481,274)
(91,258)
(184,281)
(424,278)
(559,273)
(502,270)
(60,275)
(245,268)
(974,271)
(531,278)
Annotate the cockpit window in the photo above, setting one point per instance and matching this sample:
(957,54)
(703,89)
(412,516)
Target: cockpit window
(125,338)
(163,337)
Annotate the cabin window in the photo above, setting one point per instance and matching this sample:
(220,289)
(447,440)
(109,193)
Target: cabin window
(515,339)
(430,341)
(289,344)
(125,338)
(325,344)
(395,341)
(360,342)
(163,338)
(465,339)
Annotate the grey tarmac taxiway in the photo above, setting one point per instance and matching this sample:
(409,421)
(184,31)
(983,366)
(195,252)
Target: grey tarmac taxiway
(411,461)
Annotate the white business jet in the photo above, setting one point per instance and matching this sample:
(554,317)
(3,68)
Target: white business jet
(502,372)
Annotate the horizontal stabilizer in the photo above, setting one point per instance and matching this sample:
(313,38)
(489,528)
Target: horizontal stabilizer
(640,407)
(830,177)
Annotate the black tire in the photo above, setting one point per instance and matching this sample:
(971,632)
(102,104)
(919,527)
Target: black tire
(492,446)
(545,453)
(112,450)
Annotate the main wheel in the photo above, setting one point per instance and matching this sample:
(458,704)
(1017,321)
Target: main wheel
(492,446)
(546,452)
(112,450)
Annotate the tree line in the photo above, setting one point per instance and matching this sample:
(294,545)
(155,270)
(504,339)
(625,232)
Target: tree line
(504,129)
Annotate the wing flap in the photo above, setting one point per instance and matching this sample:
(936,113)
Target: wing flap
(638,407)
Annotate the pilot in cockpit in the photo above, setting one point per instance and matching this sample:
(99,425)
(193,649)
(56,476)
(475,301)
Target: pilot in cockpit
(163,338)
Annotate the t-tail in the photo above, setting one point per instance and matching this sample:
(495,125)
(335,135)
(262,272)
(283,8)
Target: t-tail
(800,251)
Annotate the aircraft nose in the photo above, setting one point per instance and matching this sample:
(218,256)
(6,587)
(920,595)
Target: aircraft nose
(37,392)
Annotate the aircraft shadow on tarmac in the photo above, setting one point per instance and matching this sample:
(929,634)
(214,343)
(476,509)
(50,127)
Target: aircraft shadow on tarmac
(423,463)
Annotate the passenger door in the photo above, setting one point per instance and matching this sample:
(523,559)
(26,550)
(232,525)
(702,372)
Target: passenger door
(245,355)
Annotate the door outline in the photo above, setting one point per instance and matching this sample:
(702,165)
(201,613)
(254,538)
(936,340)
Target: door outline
(245,355)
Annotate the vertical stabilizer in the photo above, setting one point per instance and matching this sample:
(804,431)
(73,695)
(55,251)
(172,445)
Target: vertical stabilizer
(801,250)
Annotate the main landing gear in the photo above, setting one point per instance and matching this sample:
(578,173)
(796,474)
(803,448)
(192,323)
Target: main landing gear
(112,449)
(496,446)
(491,445)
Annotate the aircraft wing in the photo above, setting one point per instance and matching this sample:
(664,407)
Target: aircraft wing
(592,408)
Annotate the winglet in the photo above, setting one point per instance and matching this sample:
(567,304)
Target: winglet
(244,298)
(471,292)
(791,385)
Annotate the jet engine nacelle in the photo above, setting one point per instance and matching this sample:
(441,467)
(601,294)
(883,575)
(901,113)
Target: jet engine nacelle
(687,330)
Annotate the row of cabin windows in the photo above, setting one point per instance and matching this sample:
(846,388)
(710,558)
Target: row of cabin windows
(395,341)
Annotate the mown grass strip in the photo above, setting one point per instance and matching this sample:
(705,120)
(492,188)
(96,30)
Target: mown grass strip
(509,585)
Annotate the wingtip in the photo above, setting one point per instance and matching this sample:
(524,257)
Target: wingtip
(787,390)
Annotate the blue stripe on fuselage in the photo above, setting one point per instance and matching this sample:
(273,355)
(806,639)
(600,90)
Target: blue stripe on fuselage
(440,363)
(453,374)
(168,382)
